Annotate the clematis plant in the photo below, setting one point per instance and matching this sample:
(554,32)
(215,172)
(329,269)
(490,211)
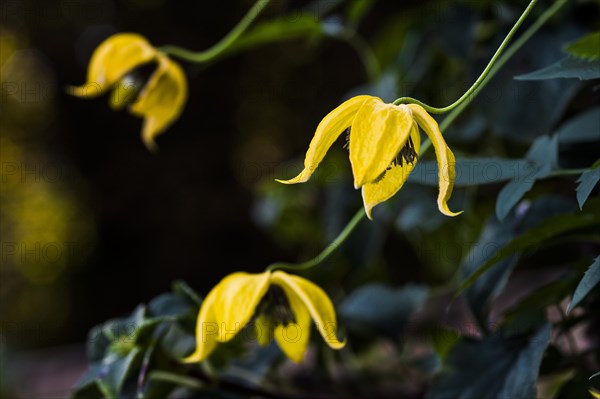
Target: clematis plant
(281,304)
(160,101)
(384,144)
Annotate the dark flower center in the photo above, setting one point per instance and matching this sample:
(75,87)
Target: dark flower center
(275,306)
(406,154)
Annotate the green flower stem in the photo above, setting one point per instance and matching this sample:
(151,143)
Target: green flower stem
(456,111)
(224,44)
(326,253)
(451,117)
(542,19)
(335,244)
(480,79)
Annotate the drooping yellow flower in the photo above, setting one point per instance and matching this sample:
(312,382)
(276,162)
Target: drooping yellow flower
(384,144)
(281,304)
(163,97)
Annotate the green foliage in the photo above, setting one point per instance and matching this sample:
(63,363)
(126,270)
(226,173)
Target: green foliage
(567,68)
(587,181)
(542,157)
(380,309)
(494,236)
(120,351)
(278,30)
(472,171)
(502,365)
(587,283)
(548,229)
(587,47)
(584,127)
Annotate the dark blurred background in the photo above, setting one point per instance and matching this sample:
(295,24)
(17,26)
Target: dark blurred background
(118,221)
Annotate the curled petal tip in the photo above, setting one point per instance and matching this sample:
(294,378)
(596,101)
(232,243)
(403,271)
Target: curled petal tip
(336,344)
(448,212)
(150,145)
(358,183)
(193,358)
(368,210)
(301,178)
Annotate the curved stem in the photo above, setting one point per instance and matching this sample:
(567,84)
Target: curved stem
(221,46)
(481,78)
(542,19)
(326,253)
(336,243)
(451,117)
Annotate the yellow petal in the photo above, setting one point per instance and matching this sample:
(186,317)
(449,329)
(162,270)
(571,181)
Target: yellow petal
(264,328)
(393,179)
(112,60)
(445,157)
(207,330)
(293,338)
(316,302)
(162,99)
(238,295)
(379,131)
(595,393)
(327,133)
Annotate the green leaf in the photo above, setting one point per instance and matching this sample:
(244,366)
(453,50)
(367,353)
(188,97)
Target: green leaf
(170,305)
(376,307)
(547,229)
(587,47)
(587,283)
(587,181)
(542,157)
(107,377)
(357,9)
(584,127)
(499,366)
(278,30)
(569,67)
(471,171)
(181,288)
(491,283)
(97,344)
(118,371)
(178,343)
(494,235)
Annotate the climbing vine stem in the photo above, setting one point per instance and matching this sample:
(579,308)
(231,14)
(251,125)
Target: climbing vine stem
(219,48)
(469,93)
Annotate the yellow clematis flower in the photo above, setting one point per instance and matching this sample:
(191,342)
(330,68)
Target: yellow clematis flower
(162,99)
(384,143)
(282,305)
